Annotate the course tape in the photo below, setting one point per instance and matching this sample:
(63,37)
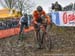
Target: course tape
(13,31)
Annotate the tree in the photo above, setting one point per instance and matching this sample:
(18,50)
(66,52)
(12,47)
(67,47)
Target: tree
(22,5)
(26,5)
(8,3)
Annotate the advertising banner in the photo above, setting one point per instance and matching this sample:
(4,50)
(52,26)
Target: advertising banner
(63,18)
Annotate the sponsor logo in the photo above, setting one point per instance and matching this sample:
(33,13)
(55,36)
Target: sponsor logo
(68,18)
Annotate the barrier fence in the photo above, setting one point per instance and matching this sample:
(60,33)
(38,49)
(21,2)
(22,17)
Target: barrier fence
(13,31)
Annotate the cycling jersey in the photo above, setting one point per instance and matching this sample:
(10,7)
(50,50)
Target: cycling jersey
(37,16)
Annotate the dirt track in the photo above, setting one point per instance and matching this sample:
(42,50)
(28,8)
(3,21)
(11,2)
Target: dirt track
(63,44)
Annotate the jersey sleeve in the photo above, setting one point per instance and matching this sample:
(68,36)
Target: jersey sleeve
(48,19)
(34,17)
(34,14)
(44,13)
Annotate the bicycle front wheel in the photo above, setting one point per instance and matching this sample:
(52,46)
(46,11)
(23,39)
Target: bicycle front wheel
(47,42)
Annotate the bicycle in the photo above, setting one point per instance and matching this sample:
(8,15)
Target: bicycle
(45,38)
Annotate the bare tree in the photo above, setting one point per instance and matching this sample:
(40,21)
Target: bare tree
(22,5)
(8,3)
(26,5)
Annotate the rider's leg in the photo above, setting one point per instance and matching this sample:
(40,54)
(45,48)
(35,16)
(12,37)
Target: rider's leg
(21,30)
(26,25)
(36,31)
(37,28)
(44,32)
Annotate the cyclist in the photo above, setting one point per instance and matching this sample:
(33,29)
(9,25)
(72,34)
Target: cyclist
(23,23)
(40,19)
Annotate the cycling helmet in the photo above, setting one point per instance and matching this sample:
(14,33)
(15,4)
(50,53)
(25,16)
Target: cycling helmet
(39,8)
(25,14)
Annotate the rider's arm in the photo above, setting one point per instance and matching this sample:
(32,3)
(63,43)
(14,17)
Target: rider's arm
(34,17)
(34,21)
(48,19)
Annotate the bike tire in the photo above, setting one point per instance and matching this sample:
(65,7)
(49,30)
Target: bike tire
(47,42)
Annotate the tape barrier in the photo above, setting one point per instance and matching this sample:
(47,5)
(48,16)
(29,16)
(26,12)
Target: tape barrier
(13,31)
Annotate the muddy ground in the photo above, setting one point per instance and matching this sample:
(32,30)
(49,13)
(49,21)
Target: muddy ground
(63,44)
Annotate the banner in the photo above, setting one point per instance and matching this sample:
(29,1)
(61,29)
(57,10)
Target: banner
(63,18)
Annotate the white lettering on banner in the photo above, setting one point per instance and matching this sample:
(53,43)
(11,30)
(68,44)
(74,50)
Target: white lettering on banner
(63,18)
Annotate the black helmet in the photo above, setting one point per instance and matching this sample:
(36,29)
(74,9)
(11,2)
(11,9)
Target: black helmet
(25,14)
(39,8)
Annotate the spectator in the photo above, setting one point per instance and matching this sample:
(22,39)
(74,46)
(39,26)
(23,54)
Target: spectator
(52,6)
(57,6)
(7,24)
(2,25)
(14,22)
(74,6)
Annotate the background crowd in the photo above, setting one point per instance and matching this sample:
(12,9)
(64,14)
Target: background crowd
(12,23)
